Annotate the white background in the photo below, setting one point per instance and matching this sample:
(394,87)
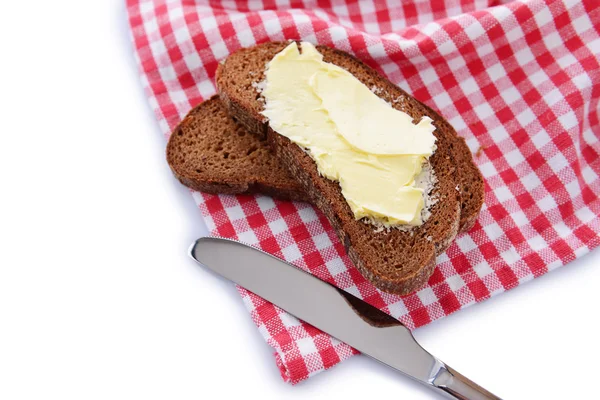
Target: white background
(98,298)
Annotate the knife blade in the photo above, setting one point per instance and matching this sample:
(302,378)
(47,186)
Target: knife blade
(340,314)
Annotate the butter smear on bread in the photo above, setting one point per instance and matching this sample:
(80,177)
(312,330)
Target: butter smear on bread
(374,151)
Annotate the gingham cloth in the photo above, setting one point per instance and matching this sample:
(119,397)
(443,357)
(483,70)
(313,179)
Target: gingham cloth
(519,81)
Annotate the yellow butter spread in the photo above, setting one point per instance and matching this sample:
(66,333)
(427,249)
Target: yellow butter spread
(373,150)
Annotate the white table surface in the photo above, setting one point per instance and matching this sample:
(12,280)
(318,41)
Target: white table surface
(98,298)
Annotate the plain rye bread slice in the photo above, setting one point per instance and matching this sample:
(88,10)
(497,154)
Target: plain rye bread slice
(209,152)
(396,261)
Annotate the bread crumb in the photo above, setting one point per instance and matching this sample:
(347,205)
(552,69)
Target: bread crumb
(376,90)
(480,150)
(259,87)
(398,99)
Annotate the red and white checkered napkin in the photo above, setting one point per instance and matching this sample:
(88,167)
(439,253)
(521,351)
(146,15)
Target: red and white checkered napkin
(519,81)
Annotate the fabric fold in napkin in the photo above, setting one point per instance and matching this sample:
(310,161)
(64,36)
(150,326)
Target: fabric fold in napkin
(520,81)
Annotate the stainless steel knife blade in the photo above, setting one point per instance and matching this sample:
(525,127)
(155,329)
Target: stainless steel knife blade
(327,308)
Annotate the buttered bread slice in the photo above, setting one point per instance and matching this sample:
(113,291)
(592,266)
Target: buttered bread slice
(399,259)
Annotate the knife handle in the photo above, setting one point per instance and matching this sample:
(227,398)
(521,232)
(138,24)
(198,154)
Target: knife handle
(457,386)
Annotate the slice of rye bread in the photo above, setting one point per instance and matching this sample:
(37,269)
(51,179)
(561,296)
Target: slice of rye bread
(395,260)
(210,153)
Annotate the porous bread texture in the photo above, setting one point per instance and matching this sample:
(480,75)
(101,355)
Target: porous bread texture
(394,261)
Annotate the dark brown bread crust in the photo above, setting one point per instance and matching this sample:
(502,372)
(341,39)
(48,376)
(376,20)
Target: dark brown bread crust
(210,153)
(472,187)
(395,261)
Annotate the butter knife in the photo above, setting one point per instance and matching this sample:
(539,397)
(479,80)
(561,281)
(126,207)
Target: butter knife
(340,314)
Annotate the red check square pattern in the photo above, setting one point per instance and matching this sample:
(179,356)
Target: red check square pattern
(520,81)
